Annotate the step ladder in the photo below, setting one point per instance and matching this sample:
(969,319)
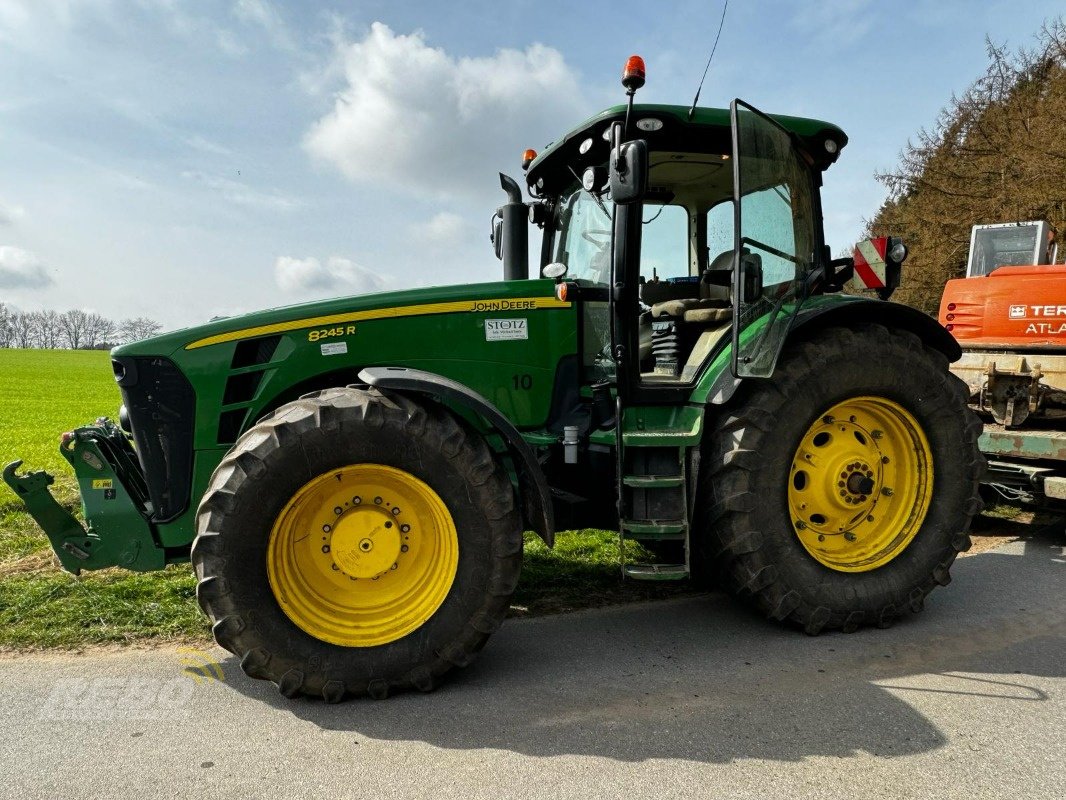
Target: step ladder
(653,504)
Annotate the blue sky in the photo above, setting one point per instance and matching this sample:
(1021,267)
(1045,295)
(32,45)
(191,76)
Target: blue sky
(188,159)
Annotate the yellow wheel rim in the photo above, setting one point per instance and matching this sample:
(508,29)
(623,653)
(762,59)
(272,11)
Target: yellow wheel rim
(362,555)
(860,485)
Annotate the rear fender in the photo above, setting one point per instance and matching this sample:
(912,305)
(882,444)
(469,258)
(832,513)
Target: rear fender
(534,495)
(718,385)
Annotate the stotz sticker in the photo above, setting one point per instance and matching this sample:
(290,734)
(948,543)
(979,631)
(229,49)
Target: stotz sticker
(497,330)
(334,348)
(102,483)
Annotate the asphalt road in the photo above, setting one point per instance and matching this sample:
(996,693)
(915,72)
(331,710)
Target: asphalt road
(685,698)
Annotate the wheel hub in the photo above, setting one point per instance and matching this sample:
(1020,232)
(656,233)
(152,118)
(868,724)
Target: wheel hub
(365,542)
(861,484)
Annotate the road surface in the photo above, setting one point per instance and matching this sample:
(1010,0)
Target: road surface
(694,697)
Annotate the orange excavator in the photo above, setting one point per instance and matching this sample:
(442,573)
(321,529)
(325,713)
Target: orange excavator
(1009,316)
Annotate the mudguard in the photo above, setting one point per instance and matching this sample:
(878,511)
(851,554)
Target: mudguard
(534,493)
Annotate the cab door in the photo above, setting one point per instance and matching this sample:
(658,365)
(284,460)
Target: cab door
(777,237)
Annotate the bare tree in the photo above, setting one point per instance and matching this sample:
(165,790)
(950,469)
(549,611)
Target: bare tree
(5,326)
(22,329)
(99,330)
(48,329)
(133,330)
(73,325)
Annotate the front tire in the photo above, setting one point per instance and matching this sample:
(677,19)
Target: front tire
(356,543)
(839,492)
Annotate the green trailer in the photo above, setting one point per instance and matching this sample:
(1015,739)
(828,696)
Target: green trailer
(351,479)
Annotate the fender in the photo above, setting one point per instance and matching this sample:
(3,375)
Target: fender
(534,494)
(718,384)
(891,315)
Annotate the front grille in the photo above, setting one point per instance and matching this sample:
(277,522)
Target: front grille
(161,406)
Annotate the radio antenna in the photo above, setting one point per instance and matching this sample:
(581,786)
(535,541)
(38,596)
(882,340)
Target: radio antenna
(714,47)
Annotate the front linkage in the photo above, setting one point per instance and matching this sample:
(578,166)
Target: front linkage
(114,499)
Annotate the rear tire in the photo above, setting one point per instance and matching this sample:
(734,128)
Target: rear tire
(748,510)
(283,605)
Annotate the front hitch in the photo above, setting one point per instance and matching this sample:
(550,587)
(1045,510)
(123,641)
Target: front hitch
(118,531)
(71,542)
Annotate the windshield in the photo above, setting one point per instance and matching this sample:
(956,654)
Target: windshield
(1003,245)
(583,236)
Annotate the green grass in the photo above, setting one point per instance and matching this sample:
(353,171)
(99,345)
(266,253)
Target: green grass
(46,392)
(43,393)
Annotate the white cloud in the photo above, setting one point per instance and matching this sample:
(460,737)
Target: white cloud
(21,269)
(444,229)
(413,116)
(309,276)
(242,194)
(10,214)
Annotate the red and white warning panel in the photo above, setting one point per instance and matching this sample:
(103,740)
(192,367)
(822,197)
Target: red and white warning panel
(870,267)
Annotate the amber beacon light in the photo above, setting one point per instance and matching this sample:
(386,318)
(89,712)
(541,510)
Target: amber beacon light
(633,74)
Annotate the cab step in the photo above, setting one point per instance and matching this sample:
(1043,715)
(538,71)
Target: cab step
(653,529)
(653,481)
(656,572)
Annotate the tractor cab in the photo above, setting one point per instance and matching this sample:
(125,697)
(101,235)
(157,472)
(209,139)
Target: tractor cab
(720,224)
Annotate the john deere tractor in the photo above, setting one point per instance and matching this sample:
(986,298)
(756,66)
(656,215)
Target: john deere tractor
(351,479)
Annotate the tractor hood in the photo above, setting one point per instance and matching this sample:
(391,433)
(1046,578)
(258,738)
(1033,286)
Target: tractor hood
(329,314)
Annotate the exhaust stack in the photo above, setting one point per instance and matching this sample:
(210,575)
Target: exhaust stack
(513,232)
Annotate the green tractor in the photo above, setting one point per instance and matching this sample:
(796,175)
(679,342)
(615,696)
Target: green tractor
(351,479)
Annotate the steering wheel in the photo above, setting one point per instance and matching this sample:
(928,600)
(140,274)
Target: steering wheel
(589,236)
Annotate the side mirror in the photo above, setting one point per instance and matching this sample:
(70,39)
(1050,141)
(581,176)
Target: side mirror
(497,238)
(750,277)
(629,168)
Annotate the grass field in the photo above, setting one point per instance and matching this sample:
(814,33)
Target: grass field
(46,392)
(43,393)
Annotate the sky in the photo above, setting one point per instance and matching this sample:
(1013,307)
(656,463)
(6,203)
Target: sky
(184,160)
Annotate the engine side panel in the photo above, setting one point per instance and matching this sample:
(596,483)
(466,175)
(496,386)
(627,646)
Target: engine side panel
(1013,307)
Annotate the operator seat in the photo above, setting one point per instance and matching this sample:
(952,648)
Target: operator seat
(712,306)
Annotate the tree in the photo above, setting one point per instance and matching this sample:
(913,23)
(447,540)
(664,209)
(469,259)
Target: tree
(996,154)
(73,325)
(133,330)
(22,329)
(99,330)
(5,326)
(48,329)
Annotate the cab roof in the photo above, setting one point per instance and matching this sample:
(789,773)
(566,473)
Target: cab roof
(708,131)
